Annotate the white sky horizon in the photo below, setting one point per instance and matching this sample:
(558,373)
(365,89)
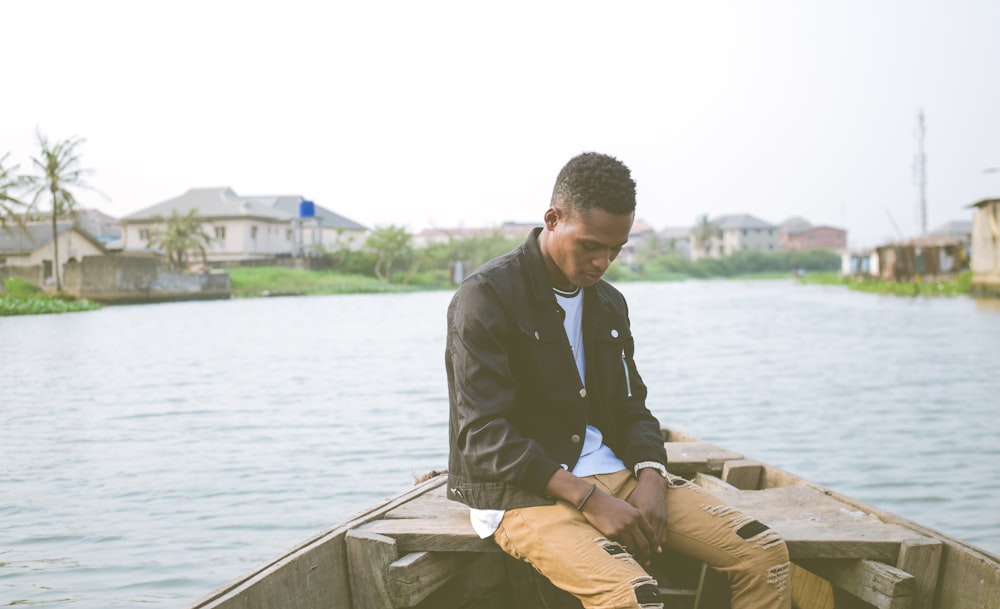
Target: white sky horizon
(444,114)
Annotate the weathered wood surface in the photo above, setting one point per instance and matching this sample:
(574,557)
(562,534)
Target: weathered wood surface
(432,504)
(744,474)
(689,458)
(968,577)
(417,531)
(369,556)
(446,534)
(415,576)
(815,525)
(876,583)
(312,575)
(922,558)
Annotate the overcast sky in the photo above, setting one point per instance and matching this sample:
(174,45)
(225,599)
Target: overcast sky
(461,113)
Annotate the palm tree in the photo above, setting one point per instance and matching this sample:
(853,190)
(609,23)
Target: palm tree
(59,172)
(10,182)
(704,232)
(182,234)
(10,206)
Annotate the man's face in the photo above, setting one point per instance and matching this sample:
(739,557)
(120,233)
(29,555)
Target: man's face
(579,247)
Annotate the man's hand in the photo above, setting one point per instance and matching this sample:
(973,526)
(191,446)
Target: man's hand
(621,521)
(624,523)
(650,498)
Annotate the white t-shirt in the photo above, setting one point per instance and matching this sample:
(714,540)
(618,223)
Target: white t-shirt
(595,457)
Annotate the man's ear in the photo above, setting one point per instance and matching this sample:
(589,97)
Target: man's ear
(552,218)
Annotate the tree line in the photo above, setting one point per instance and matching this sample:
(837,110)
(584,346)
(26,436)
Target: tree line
(389,253)
(390,256)
(56,172)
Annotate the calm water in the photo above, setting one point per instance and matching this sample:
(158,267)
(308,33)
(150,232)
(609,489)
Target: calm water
(149,454)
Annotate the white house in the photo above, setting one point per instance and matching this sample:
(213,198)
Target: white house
(247,228)
(736,232)
(32,246)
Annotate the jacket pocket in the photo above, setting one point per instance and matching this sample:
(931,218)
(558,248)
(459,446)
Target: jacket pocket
(544,360)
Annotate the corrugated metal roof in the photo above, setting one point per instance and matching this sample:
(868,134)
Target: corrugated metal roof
(740,221)
(221,202)
(795,224)
(290,204)
(210,202)
(15,240)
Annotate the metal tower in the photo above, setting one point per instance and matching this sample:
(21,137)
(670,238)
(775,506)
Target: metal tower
(920,173)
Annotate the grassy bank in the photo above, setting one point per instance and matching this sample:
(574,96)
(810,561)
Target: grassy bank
(24,298)
(279,281)
(953,286)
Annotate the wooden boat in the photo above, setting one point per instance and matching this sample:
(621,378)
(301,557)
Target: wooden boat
(417,549)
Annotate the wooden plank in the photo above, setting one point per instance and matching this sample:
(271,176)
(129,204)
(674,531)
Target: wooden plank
(875,583)
(810,591)
(482,584)
(921,558)
(432,534)
(712,483)
(432,504)
(968,578)
(369,556)
(689,458)
(415,576)
(815,525)
(312,574)
(744,474)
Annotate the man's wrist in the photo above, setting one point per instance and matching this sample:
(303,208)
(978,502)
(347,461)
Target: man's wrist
(653,465)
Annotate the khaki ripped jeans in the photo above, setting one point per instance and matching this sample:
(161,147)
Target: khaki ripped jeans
(559,542)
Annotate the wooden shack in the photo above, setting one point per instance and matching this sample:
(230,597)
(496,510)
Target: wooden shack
(922,258)
(986,248)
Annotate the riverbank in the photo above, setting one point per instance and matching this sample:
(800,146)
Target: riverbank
(24,298)
(957,285)
(252,282)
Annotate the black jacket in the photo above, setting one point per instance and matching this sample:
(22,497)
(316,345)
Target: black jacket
(518,410)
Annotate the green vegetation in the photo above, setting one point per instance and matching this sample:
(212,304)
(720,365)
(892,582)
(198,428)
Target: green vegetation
(279,281)
(952,286)
(181,235)
(375,271)
(24,298)
(656,260)
(391,244)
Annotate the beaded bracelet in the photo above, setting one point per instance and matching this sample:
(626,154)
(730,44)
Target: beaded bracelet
(579,506)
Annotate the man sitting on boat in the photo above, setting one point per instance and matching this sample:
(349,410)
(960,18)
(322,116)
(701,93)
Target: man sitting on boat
(552,445)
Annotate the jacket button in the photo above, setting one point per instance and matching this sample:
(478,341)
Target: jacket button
(583,392)
(614,333)
(575,439)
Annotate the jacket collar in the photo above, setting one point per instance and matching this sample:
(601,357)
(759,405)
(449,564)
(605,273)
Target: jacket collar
(538,274)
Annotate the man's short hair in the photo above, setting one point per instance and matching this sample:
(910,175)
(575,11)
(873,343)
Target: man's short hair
(592,180)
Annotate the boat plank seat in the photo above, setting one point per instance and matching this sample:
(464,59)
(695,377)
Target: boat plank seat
(425,544)
(886,565)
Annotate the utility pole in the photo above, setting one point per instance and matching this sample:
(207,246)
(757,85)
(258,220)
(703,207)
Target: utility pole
(920,173)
